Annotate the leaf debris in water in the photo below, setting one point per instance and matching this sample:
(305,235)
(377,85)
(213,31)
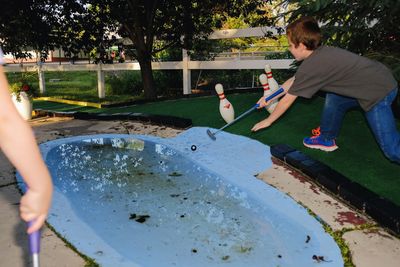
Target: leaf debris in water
(175,174)
(138,218)
(319,258)
(225,258)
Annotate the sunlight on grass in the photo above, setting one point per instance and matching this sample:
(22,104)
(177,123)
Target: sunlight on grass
(73,85)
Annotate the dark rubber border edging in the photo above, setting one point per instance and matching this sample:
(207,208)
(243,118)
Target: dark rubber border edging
(382,210)
(170,121)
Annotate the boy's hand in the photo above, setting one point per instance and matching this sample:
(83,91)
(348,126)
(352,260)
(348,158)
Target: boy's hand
(262,124)
(262,103)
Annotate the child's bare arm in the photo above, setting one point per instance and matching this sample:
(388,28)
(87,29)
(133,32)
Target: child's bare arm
(19,145)
(286,101)
(280,109)
(286,85)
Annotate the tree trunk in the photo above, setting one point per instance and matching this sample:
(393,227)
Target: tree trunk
(141,34)
(147,78)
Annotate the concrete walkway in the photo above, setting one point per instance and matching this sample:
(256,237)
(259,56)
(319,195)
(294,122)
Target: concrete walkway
(372,246)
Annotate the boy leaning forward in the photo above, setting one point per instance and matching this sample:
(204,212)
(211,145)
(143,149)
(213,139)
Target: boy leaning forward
(348,79)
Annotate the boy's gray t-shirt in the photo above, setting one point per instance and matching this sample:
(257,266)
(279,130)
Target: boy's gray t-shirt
(339,71)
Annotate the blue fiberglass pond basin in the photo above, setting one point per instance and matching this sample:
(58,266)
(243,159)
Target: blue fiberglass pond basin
(135,200)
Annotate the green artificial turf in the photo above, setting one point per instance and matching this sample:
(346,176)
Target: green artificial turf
(358,157)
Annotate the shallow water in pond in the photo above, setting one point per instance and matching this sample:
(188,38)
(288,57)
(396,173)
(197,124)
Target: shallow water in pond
(155,207)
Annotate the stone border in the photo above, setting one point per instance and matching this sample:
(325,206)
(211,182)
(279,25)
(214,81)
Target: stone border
(382,210)
(170,121)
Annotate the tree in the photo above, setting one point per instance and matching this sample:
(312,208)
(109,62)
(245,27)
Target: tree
(42,25)
(170,23)
(151,25)
(22,26)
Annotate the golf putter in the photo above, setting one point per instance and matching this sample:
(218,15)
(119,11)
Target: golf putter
(212,134)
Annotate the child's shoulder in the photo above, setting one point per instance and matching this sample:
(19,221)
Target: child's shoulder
(334,50)
(334,53)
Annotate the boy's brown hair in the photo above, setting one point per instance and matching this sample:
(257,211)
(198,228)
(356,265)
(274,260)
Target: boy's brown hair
(306,31)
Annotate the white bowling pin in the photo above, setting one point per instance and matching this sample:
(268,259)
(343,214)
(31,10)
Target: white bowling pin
(225,107)
(273,85)
(267,91)
(264,83)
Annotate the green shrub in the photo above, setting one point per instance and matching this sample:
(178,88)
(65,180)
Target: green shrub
(231,79)
(124,83)
(30,78)
(168,82)
(279,55)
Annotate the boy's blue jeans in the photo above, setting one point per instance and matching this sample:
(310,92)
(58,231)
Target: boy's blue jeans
(380,119)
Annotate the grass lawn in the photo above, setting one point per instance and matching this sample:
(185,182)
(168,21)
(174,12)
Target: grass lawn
(358,157)
(73,85)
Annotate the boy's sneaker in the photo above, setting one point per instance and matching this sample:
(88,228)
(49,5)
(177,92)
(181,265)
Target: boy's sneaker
(318,143)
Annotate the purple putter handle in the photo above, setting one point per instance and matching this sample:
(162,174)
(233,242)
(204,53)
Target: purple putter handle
(34,244)
(34,241)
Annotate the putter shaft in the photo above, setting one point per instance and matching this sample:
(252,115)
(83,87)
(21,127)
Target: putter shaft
(35,260)
(212,135)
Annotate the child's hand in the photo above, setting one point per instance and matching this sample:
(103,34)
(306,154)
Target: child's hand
(35,207)
(262,103)
(262,124)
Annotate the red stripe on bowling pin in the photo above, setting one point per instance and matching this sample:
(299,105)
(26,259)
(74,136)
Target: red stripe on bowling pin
(273,85)
(265,86)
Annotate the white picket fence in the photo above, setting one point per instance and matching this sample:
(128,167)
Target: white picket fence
(186,65)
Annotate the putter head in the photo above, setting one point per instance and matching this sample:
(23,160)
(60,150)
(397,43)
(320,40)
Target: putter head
(211,135)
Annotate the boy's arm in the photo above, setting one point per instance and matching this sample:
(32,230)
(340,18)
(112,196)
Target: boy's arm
(19,145)
(286,85)
(280,109)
